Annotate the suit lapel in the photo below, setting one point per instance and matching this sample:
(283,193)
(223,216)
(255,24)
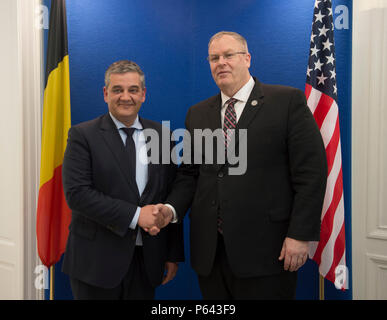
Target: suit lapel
(213,113)
(253,105)
(114,142)
(250,111)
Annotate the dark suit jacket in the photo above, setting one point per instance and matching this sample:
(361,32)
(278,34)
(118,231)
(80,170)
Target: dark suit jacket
(103,197)
(280,194)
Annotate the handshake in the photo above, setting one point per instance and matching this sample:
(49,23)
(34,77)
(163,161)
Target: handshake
(154,217)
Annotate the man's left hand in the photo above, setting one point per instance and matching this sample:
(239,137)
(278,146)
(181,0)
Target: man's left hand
(171,269)
(294,253)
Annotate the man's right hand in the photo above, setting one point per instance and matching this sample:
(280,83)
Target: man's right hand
(162,217)
(163,220)
(148,216)
(154,217)
(165,216)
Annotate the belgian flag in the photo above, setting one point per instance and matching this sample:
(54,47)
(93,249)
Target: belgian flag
(53,214)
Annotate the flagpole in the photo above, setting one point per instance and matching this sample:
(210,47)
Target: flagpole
(52,284)
(321,287)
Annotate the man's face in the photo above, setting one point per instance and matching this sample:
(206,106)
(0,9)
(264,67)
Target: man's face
(124,96)
(229,74)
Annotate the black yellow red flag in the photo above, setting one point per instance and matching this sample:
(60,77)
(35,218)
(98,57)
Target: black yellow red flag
(53,214)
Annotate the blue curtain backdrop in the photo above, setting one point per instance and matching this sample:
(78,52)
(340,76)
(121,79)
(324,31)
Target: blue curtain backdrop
(168,39)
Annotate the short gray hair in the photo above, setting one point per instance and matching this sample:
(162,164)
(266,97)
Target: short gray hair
(124,66)
(235,35)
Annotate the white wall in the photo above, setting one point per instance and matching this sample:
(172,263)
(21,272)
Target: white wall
(11,169)
(20,91)
(369,152)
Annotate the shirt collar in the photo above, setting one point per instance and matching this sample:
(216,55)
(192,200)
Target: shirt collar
(136,124)
(242,95)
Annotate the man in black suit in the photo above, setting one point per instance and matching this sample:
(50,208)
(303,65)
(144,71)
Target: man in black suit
(250,229)
(112,190)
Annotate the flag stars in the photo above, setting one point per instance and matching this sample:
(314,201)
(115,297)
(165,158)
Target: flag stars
(308,71)
(318,65)
(321,79)
(312,37)
(331,59)
(319,16)
(327,45)
(321,72)
(314,51)
(323,31)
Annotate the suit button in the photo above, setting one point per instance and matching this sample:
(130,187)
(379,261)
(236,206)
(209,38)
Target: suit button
(220,174)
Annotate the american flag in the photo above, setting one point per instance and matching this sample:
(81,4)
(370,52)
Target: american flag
(321,93)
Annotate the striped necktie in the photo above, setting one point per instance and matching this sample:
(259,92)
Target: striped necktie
(230,121)
(229,124)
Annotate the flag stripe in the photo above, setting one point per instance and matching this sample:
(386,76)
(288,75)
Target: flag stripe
(51,198)
(57,42)
(328,126)
(54,138)
(322,109)
(339,257)
(331,182)
(332,147)
(308,90)
(313,99)
(327,223)
(329,254)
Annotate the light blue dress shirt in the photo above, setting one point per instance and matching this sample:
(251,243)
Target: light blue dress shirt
(141,164)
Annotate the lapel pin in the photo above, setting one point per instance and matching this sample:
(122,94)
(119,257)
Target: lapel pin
(254,103)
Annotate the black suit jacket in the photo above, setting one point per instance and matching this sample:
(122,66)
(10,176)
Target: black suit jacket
(280,194)
(103,197)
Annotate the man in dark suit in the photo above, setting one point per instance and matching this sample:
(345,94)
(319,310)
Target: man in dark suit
(250,230)
(112,190)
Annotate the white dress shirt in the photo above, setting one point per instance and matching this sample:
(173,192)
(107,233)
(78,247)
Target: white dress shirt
(242,96)
(141,164)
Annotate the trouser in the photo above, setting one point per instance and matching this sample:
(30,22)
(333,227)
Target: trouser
(135,284)
(222,284)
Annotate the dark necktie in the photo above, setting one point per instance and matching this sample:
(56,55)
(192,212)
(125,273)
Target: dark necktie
(131,150)
(229,124)
(230,121)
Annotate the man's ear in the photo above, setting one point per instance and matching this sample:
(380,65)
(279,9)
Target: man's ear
(144,94)
(248,59)
(105,93)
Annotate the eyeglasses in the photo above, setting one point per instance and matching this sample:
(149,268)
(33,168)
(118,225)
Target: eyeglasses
(214,58)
